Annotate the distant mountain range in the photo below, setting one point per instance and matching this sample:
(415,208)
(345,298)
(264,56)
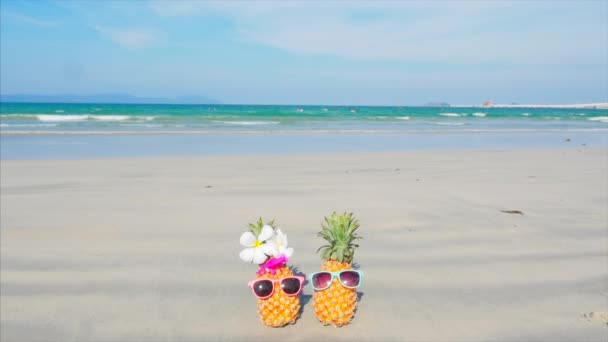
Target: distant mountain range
(106,98)
(436,104)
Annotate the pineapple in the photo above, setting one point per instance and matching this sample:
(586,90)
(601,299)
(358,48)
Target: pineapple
(279,309)
(336,305)
(267,246)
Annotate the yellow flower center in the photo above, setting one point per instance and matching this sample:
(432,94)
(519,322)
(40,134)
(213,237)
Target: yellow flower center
(257,244)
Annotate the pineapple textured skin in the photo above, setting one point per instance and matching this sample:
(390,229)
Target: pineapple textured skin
(335,305)
(279,309)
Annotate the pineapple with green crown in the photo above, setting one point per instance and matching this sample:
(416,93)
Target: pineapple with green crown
(275,286)
(337,303)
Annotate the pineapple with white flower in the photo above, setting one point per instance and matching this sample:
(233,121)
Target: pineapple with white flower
(276,288)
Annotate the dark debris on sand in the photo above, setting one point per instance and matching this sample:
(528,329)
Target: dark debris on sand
(512,212)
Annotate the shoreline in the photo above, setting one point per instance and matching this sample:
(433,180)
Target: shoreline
(95,146)
(305,132)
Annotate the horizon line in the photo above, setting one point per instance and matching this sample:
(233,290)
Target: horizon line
(596,105)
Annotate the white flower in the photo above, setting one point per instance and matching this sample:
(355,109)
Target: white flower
(281,242)
(260,248)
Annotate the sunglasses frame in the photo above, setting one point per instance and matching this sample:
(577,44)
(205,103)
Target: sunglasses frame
(333,276)
(274,281)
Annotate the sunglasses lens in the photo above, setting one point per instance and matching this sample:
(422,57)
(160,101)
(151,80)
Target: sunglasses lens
(350,278)
(321,280)
(263,288)
(290,285)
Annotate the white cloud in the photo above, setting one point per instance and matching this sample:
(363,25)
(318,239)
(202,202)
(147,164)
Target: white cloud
(28,20)
(177,8)
(453,32)
(132,38)
(445,36)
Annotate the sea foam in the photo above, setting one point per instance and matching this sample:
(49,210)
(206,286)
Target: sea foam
(449,123)
(71,118)
(599,118)
(248,123)
(450,114)
(109,117)
(48,117)
(481,115)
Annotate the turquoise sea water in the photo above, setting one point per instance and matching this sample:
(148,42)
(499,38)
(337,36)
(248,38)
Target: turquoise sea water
(108,118)
(75,131)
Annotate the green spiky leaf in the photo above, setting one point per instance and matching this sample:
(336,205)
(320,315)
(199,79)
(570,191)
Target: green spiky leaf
(340,233)
(256,227)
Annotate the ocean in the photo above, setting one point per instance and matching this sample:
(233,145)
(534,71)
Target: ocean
(45,130)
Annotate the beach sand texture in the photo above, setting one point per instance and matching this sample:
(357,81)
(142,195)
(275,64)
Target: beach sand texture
(147,249)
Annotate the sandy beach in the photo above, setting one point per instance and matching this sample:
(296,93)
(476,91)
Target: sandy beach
(146,249)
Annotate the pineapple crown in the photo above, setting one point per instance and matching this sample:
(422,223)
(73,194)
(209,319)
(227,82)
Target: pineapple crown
(339,232)
(256,227)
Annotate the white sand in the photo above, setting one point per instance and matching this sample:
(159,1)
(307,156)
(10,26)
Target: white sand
(143,250)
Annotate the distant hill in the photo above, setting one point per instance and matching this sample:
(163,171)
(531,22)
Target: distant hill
(106,98)
(436,104)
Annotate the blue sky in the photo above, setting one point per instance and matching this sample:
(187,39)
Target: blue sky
(313,52)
